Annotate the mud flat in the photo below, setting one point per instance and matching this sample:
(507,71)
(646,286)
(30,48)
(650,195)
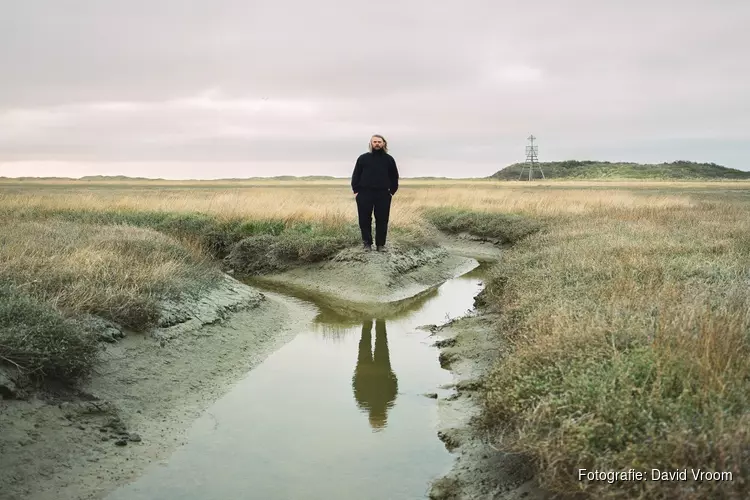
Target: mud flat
(81,444)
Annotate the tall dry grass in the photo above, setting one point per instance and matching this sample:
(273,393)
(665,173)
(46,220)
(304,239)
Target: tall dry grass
(335,205)
(628,333)
(117,272)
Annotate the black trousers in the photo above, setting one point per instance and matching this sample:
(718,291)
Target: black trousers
(379,202)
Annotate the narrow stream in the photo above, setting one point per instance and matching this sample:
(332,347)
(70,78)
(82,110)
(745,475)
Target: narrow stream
(338,413)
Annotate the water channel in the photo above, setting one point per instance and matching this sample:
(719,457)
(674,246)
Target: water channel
(337,413)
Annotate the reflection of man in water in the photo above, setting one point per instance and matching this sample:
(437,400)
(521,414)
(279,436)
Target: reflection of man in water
(374,383)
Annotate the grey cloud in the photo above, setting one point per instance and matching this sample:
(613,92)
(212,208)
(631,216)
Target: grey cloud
(186,80)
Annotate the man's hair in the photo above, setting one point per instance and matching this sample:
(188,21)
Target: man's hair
(385,143)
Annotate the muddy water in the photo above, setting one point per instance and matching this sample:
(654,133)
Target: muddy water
(339,412)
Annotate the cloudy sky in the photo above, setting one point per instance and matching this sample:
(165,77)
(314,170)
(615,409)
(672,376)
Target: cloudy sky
(237,88)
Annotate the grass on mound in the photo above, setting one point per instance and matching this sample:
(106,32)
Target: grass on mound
(214,234)
(297,239)
(629,335)
(37,340)
(508,228)
(574,169)
(117,272)
(267,254)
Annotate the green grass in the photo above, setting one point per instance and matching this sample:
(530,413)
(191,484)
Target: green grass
(678,170)
(266,253)
(306,244)
(507,228)
(39,342)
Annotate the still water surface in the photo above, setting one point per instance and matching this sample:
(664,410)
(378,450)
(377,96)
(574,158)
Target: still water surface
(337,413)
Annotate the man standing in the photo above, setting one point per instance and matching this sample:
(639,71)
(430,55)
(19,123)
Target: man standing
(374,182)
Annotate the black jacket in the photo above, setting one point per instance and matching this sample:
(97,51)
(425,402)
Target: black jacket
(375,170)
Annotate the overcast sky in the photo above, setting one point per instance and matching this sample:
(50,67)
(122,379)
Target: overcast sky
(238,88)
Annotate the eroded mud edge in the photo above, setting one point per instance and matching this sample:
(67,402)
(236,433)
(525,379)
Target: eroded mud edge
(468,347)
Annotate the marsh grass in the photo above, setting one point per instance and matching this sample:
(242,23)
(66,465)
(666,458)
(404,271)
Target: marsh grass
(628,335)
(114,271)
(38,343)
(504,228)
(623,306)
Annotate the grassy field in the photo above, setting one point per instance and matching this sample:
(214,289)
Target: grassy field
(624,306)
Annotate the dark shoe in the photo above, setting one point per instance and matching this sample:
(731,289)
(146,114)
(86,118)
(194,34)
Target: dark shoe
(367,247)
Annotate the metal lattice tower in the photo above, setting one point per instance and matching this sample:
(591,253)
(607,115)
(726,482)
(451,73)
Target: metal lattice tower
(532,159)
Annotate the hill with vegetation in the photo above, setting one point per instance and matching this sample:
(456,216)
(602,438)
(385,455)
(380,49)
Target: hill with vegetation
(573,169)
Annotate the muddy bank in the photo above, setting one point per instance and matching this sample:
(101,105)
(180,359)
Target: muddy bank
(368,282)
(475,247)
(469,346)
(147,391)
(193,312)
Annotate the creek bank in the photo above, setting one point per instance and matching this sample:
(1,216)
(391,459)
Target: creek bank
(194,312)
(468,348)
(483,249)
(371,282)
(80,443)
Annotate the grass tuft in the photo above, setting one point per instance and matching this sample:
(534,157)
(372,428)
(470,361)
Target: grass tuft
(37,340)
(508,228)
(303,244)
